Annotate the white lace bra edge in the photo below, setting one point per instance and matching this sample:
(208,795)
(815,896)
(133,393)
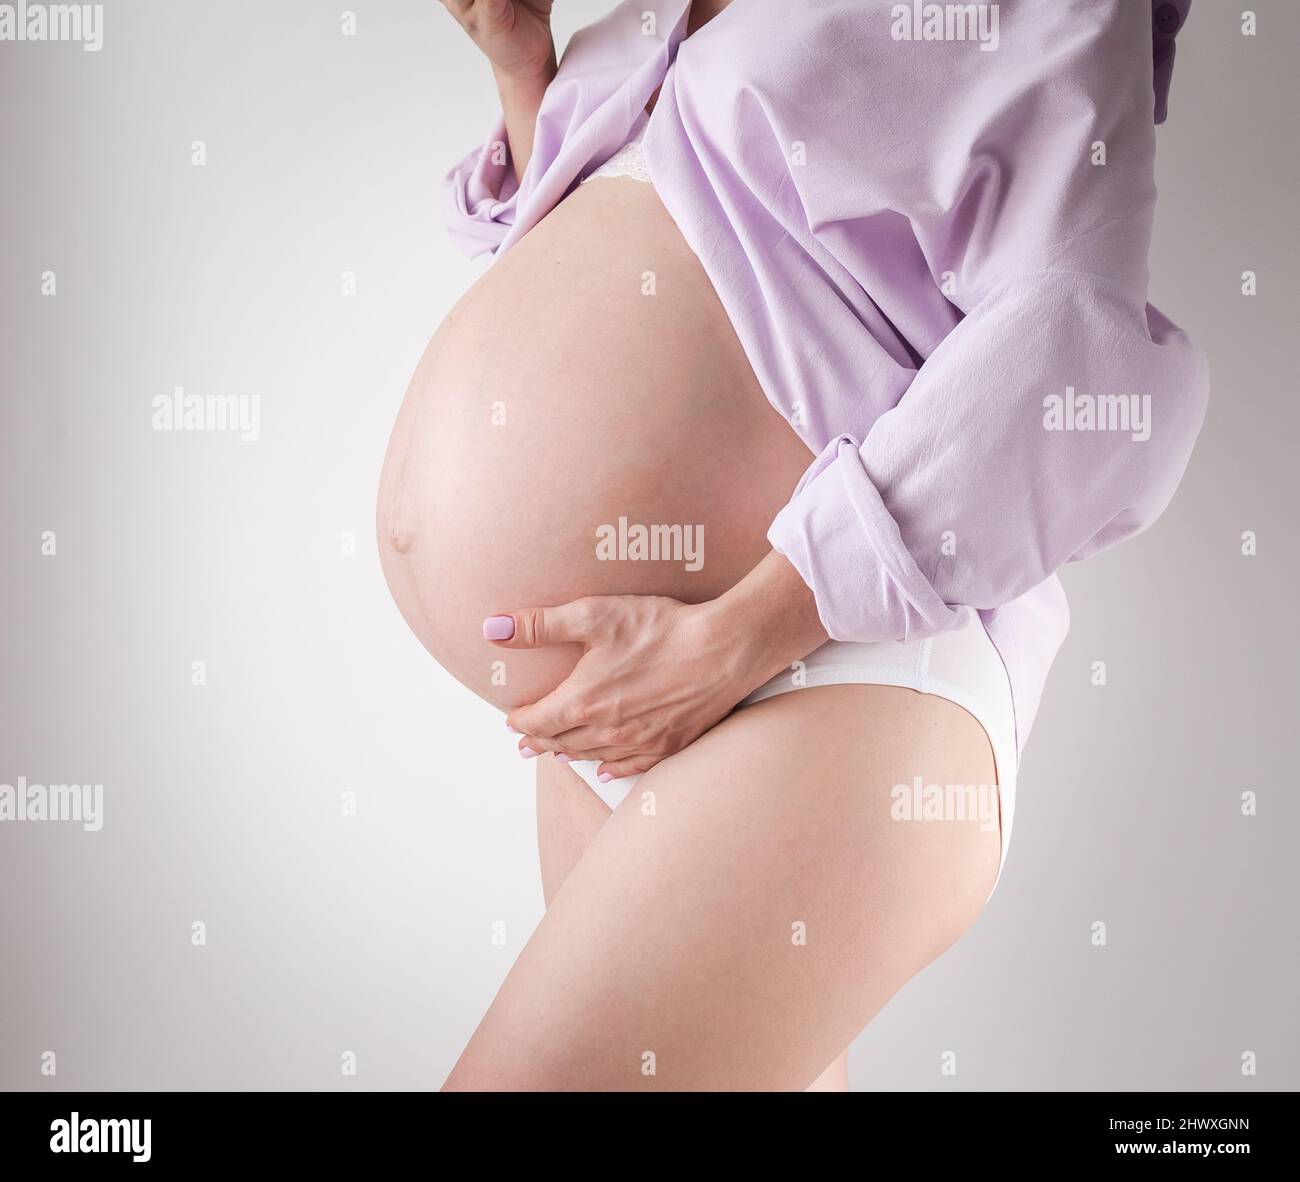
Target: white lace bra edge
(628,161)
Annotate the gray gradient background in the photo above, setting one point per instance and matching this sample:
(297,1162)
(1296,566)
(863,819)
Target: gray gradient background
(374,933)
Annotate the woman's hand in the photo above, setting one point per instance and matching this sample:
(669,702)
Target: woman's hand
(655,673)
(654,677)
(515,35)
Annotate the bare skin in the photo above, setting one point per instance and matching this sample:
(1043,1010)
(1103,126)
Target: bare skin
(569,815)
(558,397)
(674,933)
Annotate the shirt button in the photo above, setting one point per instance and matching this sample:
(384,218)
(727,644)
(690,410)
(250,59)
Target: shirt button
(1167,20)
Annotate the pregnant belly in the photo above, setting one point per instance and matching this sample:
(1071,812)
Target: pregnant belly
(583,423)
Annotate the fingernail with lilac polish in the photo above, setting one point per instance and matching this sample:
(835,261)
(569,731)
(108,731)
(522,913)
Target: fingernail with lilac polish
(604,777)
(527,752)
(498,627)
(560,757)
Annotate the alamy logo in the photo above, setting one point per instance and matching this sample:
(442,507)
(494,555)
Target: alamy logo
(54,22)
(85,1134)
(53,802)
(209,412)
(1124,413)
(651,543)
(946,22)
(919,801)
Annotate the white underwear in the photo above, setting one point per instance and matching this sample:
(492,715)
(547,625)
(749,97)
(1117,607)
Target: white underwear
(961,666)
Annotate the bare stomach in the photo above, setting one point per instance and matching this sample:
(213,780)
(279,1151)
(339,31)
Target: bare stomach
(585,397)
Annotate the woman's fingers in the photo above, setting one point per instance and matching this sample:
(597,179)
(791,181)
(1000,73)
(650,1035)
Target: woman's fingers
(619,768)
(549,718)
(566,722)
(586,743)
(577,622)
(565,749)
(531,748)
(496,13)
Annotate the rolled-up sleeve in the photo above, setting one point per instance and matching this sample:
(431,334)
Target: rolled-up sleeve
(481,195)
(1053,422)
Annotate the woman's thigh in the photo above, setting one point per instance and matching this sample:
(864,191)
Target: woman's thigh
(569,815)
(750,907)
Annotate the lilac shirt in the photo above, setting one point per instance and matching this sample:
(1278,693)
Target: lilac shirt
(934,253)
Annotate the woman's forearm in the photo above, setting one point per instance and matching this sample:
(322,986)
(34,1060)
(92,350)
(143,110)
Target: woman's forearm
(521,96)
(771,618)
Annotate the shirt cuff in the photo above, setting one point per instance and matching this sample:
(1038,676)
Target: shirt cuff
(838,534)
(481,195)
